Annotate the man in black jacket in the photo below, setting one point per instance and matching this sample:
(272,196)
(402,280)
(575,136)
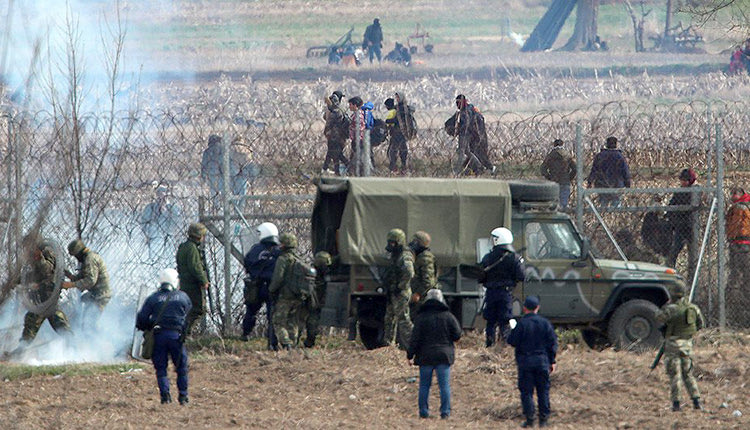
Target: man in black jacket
(536,348)
(431,347)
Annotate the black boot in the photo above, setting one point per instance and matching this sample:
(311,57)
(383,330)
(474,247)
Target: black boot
(697,403)
(183,399)
(528,423)
(542,422)
(489,342)
(676,406)
(166,398)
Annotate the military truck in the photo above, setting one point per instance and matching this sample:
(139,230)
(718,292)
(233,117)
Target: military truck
(611,301)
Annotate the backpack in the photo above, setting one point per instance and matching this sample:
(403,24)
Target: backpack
(369,119)
(409,125)
(379,133)
(300,280)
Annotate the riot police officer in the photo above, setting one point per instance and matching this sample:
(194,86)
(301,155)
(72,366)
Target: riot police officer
(259,264)
(503,268)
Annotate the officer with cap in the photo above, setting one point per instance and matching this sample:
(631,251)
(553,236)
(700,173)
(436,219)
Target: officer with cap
(91,278)
(165,312)
(682,319)
(503,268)
(193,271)
(398,289)
(259,264)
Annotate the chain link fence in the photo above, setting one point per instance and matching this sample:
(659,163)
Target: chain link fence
(130,183)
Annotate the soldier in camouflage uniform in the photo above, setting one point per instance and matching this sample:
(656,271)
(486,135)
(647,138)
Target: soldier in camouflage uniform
(398,289)
(286,313)
(310,312)
(193,271)
(42,261)
(92,279)
(425,270)
(682,320)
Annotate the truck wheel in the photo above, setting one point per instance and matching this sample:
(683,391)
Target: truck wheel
(372,337)
(633,326)
(595,339)
(534,191)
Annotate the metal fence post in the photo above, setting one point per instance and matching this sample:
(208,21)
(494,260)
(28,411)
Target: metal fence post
(721,278)
(227,238)
(579,178)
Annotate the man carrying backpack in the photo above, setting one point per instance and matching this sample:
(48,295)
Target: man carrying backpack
(402,127)
(336,132)
(738,235)
(468,125)
(285,290)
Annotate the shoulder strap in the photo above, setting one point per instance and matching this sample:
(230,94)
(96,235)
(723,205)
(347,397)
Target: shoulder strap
(499,260)
(163,307)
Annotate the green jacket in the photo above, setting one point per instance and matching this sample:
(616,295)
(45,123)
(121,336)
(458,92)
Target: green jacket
(93,278)
(682,319)
(400,273)
(277,287)
(43,273)
(191,265)
(425,273)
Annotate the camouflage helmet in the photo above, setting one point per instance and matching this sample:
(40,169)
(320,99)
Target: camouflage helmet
(397,235)
(422,238)
(678,290)
(76,247)
(322,259)
(288,240)
(196,230)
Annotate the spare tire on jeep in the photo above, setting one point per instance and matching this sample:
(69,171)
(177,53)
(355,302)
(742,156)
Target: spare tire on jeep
(534,191)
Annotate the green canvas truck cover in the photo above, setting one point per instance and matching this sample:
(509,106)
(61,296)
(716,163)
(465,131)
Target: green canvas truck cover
(352,216)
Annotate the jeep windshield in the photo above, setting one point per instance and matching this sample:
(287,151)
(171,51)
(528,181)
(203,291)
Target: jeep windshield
(551,240)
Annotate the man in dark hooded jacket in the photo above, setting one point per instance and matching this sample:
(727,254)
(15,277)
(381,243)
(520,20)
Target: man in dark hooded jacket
(399,124)
(336,132)
(609,170)
(431,347)
(373,40)
(468,125)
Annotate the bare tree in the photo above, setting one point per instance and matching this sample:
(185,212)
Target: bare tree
(734,15)
(585,30)
(638,23)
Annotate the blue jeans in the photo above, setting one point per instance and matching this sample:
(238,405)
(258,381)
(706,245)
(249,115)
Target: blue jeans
(167,344)
(425,380)
(564,195)
(528,380)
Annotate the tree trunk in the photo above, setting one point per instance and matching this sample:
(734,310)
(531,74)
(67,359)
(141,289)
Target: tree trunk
(584,33)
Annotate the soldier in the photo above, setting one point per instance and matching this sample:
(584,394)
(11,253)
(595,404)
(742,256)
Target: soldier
(536,348)
(468,125)
(286,312)
(503,268)
(738,235)
(92,279)
(682,320)
(165,312)
(425,270)
(42,260)
(398,289)
(311,308)
(260,263)
(193,272)
(336,132)
(559,167)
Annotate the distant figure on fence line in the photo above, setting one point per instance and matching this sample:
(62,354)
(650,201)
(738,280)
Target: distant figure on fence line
(336,132)
(160,221)
(372,40)
(560,167)
(240,166)
(683,222)
(609,170)
(468,125)
(738,235)
(632,250)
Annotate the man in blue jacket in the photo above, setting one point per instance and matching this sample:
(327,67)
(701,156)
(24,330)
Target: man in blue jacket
(165,312)
(536,347)
(260,263)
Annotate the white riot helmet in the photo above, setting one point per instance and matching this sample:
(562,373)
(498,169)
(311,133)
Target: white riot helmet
(268,230)
(169,276)
(501,236)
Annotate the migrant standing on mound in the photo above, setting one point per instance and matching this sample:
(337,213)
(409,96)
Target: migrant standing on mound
(288,303)
(92,279)
(560,167)
(160,221)
(536,348)
(502,269)
(311,307)
(738,235)
(165,312)
(683,222)
(609,170)
(193,272)
(682,319)
(425,270)
(398,278)
(41,259)
(372,40)
(468,125)
(260,263)
(336,132)
(431,347)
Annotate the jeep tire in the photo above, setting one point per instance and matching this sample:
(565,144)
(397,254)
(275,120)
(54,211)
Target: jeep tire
(633,326)
(534,191)
(595,339)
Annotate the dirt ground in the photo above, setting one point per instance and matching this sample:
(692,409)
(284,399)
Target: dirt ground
(344,386)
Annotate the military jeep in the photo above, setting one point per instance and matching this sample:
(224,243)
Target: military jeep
(611,301)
